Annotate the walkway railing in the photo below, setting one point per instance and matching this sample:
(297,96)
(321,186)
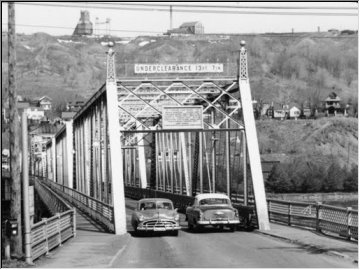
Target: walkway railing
(52,232)
(96,209)
(323,218)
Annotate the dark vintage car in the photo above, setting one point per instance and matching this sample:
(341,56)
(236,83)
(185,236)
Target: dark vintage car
(212,209)
(155,215)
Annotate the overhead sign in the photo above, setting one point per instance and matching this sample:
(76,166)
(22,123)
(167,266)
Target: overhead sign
(182,117)
(179,68)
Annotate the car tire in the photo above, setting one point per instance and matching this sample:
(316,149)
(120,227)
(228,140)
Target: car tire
(197,227)
(190,226)
(232,228)
(175,233)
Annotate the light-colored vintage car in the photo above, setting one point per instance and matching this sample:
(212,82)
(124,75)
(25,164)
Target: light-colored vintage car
(155,215)
(212,209)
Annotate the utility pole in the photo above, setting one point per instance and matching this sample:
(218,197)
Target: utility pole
(25,188)
(15,203)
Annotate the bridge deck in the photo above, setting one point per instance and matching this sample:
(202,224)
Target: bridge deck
(93,247)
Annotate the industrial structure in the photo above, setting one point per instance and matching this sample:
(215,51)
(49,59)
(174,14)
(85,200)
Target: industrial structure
(84,27)
(187,28)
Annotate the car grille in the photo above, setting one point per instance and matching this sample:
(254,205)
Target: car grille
(159,223)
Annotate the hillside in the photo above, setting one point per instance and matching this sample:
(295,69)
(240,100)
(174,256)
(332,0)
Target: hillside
(321,140)
(282,69)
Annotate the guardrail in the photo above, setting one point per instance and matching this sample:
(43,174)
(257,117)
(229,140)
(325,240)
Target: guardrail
(52,232)
(96,209)
(323,218)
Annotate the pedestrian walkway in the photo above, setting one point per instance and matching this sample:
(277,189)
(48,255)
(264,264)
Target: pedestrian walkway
(314,242)
(92,247)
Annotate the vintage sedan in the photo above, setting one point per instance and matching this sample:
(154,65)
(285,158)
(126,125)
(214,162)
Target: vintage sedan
(212,209)
(155,215)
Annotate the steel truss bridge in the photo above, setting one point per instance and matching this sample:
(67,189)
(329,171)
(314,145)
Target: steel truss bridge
(116,145)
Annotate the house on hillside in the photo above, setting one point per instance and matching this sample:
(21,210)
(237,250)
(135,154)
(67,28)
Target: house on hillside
(332,105)
(294,112)
(264,107)
(187,28)
(279,112)
(334,31)
(44,102)
(74,106)
(35,113)
(306,112)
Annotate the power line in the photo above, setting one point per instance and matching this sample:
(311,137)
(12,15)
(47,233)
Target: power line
(222,6)
(191,10)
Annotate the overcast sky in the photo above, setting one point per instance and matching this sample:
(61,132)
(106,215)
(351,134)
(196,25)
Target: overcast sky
(58,20)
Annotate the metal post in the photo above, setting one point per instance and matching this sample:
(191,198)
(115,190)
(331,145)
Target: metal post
(69,152)
(227,136)
(348,222)
(289,214)
(243,137)
(190,163)
(213,152)
(142,159)
(318,216)
(201,162)
(25,176)
(171,164)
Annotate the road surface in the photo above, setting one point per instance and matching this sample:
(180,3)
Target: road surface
(220,249)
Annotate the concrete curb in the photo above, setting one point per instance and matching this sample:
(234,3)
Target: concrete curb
(330,253)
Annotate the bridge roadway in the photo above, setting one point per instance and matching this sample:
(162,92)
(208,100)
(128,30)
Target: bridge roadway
(92,247)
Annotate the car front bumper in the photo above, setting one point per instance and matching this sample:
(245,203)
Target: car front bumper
(159,226)
(217,222)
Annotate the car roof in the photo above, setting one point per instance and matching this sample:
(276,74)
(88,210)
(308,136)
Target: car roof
(211,195)
(155,200)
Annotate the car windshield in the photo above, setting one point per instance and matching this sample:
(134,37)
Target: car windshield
(211,201)
(155,205)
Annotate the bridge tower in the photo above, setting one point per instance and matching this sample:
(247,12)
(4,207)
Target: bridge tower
(252,141)
(114,140)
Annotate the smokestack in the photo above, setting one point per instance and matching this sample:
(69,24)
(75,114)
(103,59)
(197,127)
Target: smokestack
(171,18)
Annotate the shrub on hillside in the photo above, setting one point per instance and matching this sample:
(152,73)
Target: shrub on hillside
(351,180)
(306,176)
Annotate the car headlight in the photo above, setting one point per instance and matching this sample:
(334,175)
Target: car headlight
(177,217)
(236,213)
(141,217)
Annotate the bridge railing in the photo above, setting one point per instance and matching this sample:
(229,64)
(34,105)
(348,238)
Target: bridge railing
(96,209)
(52,232)
(323,218)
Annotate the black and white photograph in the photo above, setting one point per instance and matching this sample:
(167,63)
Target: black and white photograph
(179,134)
